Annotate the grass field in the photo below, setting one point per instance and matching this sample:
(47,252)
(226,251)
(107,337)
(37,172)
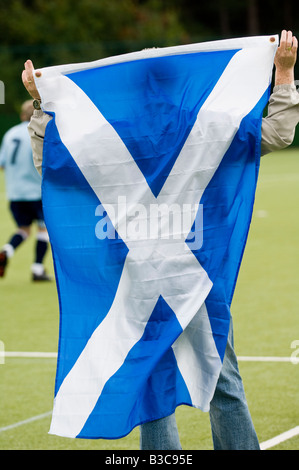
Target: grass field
(266,321)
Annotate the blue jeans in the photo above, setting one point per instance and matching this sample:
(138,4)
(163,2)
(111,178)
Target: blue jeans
(231,423)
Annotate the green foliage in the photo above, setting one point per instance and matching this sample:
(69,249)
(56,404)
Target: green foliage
(56,32)
(53,32)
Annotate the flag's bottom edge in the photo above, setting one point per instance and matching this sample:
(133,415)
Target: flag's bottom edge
(205,409)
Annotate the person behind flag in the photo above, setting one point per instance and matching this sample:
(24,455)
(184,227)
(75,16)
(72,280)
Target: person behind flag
(23,188)
(231,423)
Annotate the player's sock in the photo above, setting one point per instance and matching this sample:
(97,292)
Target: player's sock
(41,246)
(38,270)
(15,241)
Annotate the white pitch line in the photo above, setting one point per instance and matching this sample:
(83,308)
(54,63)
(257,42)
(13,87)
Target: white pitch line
(266,359)
(26,421)
(280,438)
(36,354)
(263,446)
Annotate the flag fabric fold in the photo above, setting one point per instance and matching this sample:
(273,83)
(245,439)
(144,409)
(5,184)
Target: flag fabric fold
(149,173)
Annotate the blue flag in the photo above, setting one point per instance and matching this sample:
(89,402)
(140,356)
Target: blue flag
(149,174)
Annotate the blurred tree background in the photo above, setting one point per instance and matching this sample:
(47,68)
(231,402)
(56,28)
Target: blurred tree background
(52,32)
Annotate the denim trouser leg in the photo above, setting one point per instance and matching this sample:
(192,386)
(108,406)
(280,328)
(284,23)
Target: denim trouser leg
(232,427)
(161,434)
(231,423)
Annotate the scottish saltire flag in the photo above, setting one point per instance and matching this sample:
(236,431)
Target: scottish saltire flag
(137,140)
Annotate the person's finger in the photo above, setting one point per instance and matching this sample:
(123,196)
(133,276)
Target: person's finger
(29,70)
(29,64)
(289,40)
(295,44)
(28,80)
(24,78)
(283,38)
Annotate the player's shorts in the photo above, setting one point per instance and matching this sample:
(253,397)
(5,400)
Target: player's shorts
(26,212)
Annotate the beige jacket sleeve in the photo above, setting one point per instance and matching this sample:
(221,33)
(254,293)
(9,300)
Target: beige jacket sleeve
(278,128)
(36,129)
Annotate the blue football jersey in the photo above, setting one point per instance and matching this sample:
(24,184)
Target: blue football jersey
(23,183)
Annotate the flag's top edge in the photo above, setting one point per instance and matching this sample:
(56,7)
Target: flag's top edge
(210,46)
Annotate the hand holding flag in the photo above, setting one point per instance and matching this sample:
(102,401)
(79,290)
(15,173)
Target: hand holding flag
(285,58)
(28,79)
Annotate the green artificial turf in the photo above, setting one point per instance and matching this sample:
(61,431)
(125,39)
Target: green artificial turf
(266,321)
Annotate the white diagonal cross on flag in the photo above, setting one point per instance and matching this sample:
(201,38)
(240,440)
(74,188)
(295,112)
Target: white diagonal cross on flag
(153,268)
